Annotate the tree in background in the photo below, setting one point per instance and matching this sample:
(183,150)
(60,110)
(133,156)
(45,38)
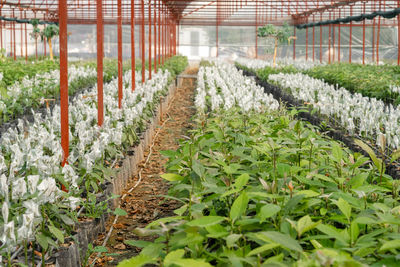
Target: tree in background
(49,33)
(280,35)
(36,31)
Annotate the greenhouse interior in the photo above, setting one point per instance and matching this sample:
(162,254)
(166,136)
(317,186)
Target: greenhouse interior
(199,133)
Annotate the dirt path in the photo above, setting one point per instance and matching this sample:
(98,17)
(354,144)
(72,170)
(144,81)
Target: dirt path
(143,204)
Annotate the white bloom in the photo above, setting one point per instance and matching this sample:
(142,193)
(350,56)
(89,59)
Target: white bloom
(5,211)
(18,188)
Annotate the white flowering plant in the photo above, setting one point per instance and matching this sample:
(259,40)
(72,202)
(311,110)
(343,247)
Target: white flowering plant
(33,206)
(222,86)
(367,117)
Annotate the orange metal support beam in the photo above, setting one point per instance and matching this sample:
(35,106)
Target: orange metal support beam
(142,43)
(149,25)
(120,70)
(100,51)
(133,56)
(63,17)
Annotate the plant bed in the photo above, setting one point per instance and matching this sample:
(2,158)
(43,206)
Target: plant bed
(308,114)
(260,188)
(89,230)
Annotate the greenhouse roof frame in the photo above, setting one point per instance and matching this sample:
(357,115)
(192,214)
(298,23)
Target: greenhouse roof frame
(202,13)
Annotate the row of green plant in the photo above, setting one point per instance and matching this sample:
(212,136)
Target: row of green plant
(368,80)
(269,190)
(13,71)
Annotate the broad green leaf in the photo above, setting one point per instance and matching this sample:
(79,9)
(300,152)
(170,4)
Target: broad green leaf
(371,153)
(308,193)
(239,206)
(137,261)
(57,233)
(332,232)
(241,181)
(365,220)
(137,243)
(262,249)
(181,210)
(172,177)
(392,244)
(395,155)
(173,256)
(305,224)
(231,240)
(337,152)
(120,212)
(42,240)
(284,240)
(344,207)
(268,211)
(206,221)
(192,263)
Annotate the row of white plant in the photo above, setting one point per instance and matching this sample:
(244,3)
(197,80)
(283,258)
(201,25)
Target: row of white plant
(227,87)
(30,156)
(300,64)
(45,82)
(367,117)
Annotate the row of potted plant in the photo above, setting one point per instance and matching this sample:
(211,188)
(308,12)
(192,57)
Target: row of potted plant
(263,189)
(37,214)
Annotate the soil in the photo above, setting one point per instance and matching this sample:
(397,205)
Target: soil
(145,204)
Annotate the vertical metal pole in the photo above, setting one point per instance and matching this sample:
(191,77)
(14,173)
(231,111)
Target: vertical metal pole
(339,40)
(100,36)
(256,24)
(11,39)
(120,70)
(26,41)
(133,55)
(320,41)
(306,43)
(63,18)
(398,35)
(178,36)
(313,40)
(1,33)
(21,37)
(351,34)
(329,40)
(163,33)
(149,26)
(363,55)
(159,32)
(373,34)
(142,41)
(44,43)
(216,41)
(36,44)
(155,35)
(378,36)
(14,39)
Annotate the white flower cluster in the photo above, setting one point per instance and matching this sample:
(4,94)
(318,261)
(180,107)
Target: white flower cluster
(45,82)
(1,76)
(367,117)
(30,156)
(227,87)
(395,89)
(300,64)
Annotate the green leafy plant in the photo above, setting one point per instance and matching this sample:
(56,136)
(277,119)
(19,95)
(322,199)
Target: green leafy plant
(259,189)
